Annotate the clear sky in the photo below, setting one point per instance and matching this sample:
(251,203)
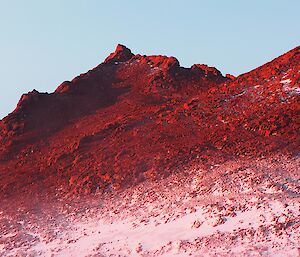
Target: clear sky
(43,43)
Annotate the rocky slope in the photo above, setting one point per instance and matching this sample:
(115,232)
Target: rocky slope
(135,126)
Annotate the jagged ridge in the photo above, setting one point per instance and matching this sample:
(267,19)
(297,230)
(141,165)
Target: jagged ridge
(134,118)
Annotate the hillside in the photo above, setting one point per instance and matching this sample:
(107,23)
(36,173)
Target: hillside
(141,140)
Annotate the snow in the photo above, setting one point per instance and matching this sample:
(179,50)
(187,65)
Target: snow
(286,81)
(178,220)
(292,90)
(124,236)
(240,94)
(9,235)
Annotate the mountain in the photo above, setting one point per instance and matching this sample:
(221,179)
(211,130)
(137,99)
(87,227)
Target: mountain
(125,101)
(137,122)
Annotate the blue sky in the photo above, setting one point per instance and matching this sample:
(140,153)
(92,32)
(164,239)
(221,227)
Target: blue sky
(43,43)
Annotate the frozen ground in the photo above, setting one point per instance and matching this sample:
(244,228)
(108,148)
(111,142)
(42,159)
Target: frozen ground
(238,208)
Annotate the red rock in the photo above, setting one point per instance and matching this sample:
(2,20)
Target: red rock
(121,54)
(229,76)
(206,70)
(118,125)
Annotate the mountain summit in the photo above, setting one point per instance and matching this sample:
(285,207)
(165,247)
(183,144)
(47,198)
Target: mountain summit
(121,54)
(150,147)
(154,116)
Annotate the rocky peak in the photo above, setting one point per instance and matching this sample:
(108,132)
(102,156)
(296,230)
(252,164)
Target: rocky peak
(162,62)
(206,70)
(230,76)
(29,98)
(209,72)
(121,54)
(286,64)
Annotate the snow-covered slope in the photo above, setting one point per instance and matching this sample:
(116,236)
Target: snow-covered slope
(238,208)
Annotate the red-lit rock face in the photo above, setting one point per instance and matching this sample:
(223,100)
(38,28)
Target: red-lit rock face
(136,118)
(206,70)
(121,54)
(229,76)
